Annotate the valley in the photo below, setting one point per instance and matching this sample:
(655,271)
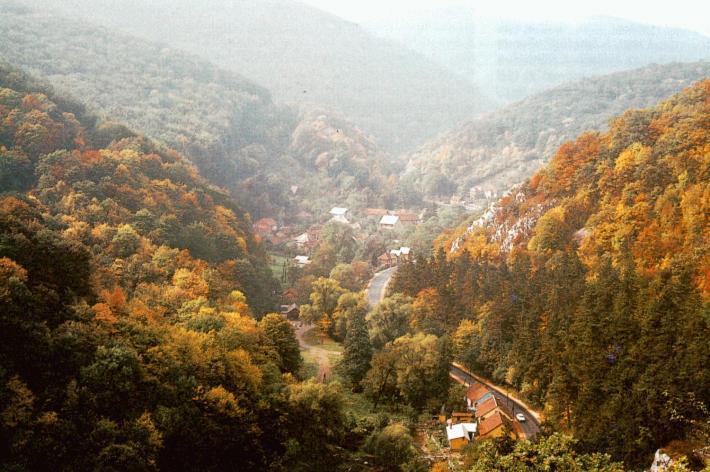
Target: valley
(253,235)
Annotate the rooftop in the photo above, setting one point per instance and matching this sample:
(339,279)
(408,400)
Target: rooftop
(461,430)
(389,220)
(486,406)
(476,391)
(338,211)
(491,423)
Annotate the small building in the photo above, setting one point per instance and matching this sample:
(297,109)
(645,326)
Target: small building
(460,434)
(378,212)
(476,391)
(302,261)
(404,253)
(290,312)
(339,214)
(408,217)
(487,407)
(309,239)
(265,226)
(494,427)
(386,259)
(302,240)
(461,417)
(289,295)
(389,221)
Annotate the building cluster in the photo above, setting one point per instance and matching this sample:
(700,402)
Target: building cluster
(394,256)
(484,419)
(391,219)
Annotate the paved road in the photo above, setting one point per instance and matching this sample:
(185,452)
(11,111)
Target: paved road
(530,426)
(378,286)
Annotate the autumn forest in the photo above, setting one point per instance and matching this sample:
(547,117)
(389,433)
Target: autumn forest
(377,258)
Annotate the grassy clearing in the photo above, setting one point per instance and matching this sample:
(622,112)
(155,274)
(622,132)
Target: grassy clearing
(310,365)
(311,337)
(276,264)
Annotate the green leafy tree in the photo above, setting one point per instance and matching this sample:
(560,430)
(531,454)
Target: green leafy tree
(393,446)
(357,351)
(281,334)
(323,300)
(390,319)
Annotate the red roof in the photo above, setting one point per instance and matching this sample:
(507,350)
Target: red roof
(265,226)
(490,424)
(376,211)
(476,391)
(407,216)
(487,406)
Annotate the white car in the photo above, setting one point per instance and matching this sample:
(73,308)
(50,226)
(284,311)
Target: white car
(520,417)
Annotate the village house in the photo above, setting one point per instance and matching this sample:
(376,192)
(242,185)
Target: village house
(339,214)
(408,217)
(386,259)
(460,434)
(389,221)
(265,226)
(290,312)
(461,417)
(376,212)
(401,254)
(309,239)
(477,392)
(302,261)
(289,295)
(495,426)
(486,408)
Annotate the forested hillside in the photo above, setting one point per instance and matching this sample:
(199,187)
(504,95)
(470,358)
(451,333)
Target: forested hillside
(226,125)
(505,147)
(509,60)
(129,289)
(303,55)
(587,289)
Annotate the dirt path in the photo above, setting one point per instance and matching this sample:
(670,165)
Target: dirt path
(319,354)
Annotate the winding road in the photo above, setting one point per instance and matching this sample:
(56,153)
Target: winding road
(378,286)
(507,401)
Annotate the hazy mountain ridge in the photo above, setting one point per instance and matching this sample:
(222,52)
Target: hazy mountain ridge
(226,125)
(509,60)
(305,56)
(505,147)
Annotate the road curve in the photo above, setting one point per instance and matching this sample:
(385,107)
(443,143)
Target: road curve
(377,287)
(513,406)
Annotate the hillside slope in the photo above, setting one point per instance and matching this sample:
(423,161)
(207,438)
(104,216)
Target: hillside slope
(510,60)
(303,55)
(105,185)
(126,338)
(506,146)
(227,126)
(587,286)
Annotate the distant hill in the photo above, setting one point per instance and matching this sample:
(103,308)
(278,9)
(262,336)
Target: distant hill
(228,126)
(304,56)
(505,147)
(510,60)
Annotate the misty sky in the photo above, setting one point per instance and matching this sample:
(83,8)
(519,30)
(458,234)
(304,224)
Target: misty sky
(690,14)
